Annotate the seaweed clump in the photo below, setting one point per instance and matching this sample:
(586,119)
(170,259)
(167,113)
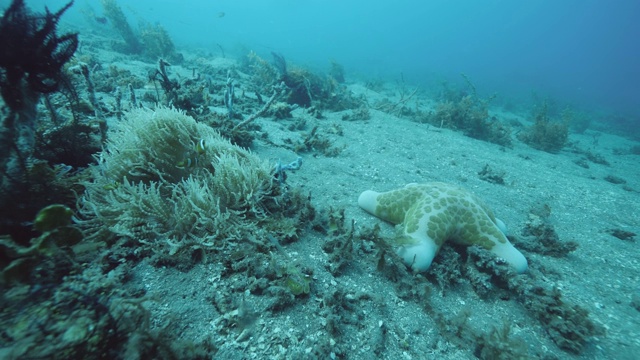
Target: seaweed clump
(113,11)
(469,113)
(539,235)
(32,54)
(546,134)
(305,88)
(45,253)
(568,325)
(157,43)
(31,64)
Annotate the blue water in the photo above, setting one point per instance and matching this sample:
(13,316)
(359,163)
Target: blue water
(580,52)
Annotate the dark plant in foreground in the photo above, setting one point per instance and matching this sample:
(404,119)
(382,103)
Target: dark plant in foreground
(31,63)
(32,54)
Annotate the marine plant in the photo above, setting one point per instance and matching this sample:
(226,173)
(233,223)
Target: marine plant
(579,121)
(157,42)
(263,74)
(84,317)
(337,71)
(57,232)
(340,243)
(169,86)
(317,141)
(361,113)
(470,114)
(399,107)
(540,236)
(305,88)
(31,64)
(546,134)
(568,325)
(114,13)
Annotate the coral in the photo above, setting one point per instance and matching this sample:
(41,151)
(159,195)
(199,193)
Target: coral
(171,183)
(281,110)
(280,64)
(568,324)
(472,117)
(169,86)
(88,316)
(278,90)
(295,280)
(114,77)
(306,87)
(433,213)
(72,144)
(43,185)
(263,74)
(446,269)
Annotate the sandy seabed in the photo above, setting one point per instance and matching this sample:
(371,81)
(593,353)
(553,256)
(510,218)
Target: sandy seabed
(359,314)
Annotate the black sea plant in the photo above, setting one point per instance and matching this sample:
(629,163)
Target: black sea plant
(32,57)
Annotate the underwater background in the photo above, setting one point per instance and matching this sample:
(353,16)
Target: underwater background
(584,53)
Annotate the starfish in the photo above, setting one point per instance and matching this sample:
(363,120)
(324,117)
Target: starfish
(429,214)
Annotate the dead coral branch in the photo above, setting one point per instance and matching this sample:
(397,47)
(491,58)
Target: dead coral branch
(277,92)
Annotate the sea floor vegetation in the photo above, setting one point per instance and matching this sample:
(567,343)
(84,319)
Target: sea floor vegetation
(165,202)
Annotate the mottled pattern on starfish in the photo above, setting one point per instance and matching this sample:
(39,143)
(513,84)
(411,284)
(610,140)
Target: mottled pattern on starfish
(429,214)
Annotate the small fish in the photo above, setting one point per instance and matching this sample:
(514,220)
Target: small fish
(200,147)
(62,169)
(221,14)
(187,162)
(190,158)
(111,186)
(101,20)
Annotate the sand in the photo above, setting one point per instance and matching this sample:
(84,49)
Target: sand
(387,152)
